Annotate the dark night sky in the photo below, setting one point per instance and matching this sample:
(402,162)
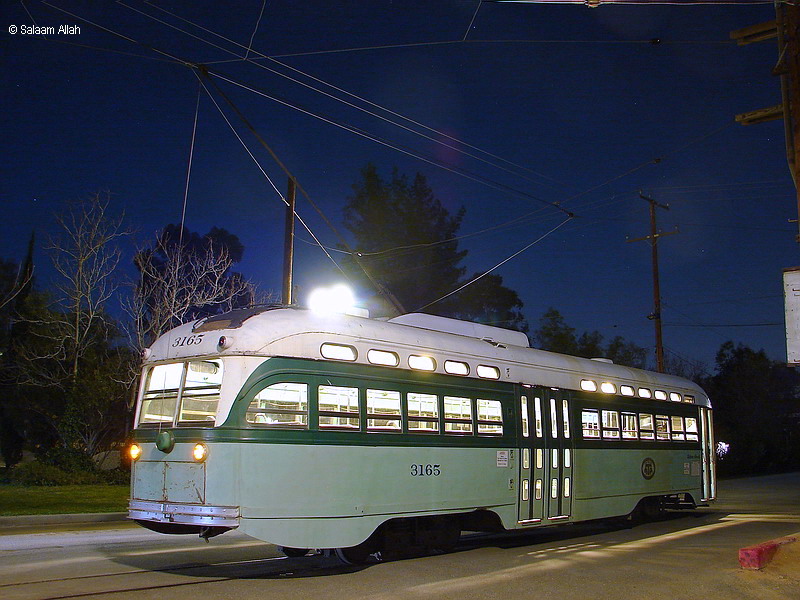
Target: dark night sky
(578,96)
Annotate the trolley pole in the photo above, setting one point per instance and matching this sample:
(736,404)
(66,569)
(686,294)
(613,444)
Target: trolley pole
(288,244)
(656,316)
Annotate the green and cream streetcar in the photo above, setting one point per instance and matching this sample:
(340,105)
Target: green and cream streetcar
(374,436)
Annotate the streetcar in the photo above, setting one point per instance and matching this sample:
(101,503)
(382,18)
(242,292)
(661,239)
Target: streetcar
(375,437)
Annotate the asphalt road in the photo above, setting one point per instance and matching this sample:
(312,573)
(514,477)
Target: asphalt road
(688,555)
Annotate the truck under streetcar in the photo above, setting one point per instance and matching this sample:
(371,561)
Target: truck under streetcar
(376,438)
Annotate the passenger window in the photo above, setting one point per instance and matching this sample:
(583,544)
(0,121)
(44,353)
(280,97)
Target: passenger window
(523,411)
(677,428)
(553,419)
(646,427)
(457,415)
(490,417)
(629,429)
(383,411)
(591,423)
(538,410)
(280,405)
(338,407)
(662,427)
(691,429)
(565,417)
(423,413)
(610,424)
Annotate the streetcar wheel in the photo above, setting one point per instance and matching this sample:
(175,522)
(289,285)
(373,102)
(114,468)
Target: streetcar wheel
(356,555)
(293,552)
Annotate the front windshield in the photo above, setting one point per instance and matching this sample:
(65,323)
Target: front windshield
(194,386)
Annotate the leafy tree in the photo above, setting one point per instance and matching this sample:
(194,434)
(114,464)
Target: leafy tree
(623,352)
(555,335)
(756,405)
(405,239)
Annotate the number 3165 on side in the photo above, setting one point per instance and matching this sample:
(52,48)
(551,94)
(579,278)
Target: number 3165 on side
(426,470)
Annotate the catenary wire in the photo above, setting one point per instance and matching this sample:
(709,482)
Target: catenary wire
(498,265)
(347,93)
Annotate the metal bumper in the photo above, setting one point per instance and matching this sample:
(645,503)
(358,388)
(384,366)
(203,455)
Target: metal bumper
(184,514)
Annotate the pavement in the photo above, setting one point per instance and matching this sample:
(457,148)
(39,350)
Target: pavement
(70,519)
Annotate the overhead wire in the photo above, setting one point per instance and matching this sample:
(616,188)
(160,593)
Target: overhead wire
(189,167)
(345,92)
(402,149)
(268,178)
(497,266)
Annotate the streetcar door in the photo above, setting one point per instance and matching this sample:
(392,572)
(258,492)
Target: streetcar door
(558,455)
(531,456)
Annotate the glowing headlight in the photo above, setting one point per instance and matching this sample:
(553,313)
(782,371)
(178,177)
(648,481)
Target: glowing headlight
(134,451)
(200,452)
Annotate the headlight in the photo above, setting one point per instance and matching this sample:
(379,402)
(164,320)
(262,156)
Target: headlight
(134,451)
(200,452)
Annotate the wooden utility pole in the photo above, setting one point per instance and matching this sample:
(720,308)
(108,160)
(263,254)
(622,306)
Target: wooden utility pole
(786,28)
(288,244)
(656,316)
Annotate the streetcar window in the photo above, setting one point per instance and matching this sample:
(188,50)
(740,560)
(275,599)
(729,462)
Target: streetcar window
(610,424)
(553,418)
(691,429)
(677,428)
(539,458)
(626,390)
(591,423)
(688,399)
(523,410)
(160,397)
(565,417)
(383,410)
(200,395)
(490,417)
(674,397)
(566,487)
(423,413)
(662,427)
(629,429)
(661,395)
(645,393)
(567,458)
(338,352)
(382,357)
(455,367)
(538,489)
(608,388)
(538,410)
(338,407)
(587,385)
(421,363)
(488,372)
(457,415)
(646,427)
(280,405)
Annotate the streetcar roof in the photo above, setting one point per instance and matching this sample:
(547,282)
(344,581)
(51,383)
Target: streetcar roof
(300,333)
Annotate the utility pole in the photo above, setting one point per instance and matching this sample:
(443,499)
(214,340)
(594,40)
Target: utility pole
(656,316)
(786,28)
(288,244)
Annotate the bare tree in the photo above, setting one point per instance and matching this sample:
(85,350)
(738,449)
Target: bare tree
(70,347)
(172,286)
(85,254)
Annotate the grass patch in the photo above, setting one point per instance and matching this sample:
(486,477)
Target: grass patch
(64,499)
